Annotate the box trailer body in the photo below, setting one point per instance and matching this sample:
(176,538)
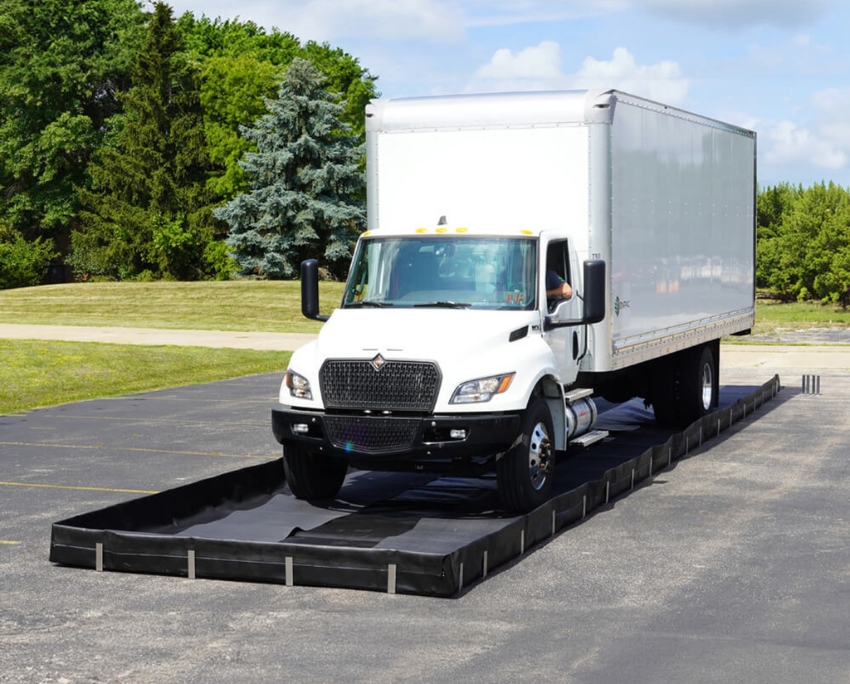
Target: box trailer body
(476,206)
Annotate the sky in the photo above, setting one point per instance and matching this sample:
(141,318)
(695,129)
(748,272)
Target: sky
(779,67)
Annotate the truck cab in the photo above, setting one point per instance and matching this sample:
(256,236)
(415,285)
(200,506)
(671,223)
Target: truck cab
(445,355)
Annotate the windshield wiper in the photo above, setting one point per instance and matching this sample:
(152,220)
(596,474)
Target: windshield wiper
(445,305)
(367,302)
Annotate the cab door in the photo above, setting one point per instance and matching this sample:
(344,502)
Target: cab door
(567,343)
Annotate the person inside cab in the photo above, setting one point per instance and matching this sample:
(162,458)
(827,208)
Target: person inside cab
(557,282)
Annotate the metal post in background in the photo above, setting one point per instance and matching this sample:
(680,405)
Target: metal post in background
(811,384)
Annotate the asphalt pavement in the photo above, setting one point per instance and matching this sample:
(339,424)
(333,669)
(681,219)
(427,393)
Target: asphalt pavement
(732,565)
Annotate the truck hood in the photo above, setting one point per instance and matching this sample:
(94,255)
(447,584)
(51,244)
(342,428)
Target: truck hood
(418,333)
(465,344)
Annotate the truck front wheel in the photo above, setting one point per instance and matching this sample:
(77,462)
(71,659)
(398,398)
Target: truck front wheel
(312,475)
(525,473)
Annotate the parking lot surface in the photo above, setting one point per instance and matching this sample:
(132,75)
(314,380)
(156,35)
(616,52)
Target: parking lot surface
(732,565)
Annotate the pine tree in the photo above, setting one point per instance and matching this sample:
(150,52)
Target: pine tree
(147,212)
(306,182)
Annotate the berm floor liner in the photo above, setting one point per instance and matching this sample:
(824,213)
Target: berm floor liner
(398,533)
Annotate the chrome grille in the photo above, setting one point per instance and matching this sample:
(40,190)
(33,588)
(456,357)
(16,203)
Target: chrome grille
(397,386)
(371,435)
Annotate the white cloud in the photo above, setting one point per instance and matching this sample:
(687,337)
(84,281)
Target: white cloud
(789,144)
(786,14)
(822,142)
(513,12)
(540,62)
(332,20)
(662,81)
(447,20)
(832,106)
(540,68)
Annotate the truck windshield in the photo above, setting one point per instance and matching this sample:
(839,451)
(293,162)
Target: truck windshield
(444,271)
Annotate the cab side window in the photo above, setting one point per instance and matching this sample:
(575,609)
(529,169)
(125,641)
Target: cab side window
(557,273)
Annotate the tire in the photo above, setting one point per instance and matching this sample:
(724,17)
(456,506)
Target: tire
(685,386)
(313,475)
(525,473)
(698,393)
(665,391)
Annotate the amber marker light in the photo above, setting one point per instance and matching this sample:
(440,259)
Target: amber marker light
(506,382)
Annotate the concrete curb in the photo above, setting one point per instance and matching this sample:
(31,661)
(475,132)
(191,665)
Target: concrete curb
(156,336)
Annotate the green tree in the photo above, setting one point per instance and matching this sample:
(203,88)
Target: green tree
(803,250)
(61,63)
(773,268)
(772,205)
(818,230)
(22,263)
(346,78)
(243,65)
(207,38)
(306,184)
(233,95)
(148,212)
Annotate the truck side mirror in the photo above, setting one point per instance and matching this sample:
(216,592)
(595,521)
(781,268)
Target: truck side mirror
(594,282)
(310,290)
(594,291)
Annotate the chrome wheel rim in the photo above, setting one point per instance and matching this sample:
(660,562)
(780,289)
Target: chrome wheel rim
(707,387)
(539,456)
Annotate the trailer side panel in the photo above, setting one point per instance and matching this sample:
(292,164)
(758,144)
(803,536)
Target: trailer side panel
(683,230)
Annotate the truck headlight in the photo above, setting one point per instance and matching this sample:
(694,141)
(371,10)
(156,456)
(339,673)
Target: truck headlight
(298,385)
(482,389)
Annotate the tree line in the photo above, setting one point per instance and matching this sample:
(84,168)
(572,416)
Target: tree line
(138,145)
(803,242)
(126,135)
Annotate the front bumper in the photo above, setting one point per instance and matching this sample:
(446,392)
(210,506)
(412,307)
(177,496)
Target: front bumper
(397,442)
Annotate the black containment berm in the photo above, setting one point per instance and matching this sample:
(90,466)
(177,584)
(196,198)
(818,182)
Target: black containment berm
(396,533)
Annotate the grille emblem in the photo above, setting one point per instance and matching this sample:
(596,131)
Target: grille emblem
(378,362)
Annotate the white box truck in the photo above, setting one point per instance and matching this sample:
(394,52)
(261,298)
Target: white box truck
(524,251)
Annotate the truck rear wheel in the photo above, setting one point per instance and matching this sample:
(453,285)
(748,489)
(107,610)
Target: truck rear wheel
(312,475)
(525,473)
(666,387)
(699,375)
(686,386)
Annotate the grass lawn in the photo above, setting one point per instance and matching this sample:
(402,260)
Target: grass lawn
(249,305)
(771,316)
(35,374)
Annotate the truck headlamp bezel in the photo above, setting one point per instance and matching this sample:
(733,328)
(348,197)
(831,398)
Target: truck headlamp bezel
(481,389)
(298,385)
